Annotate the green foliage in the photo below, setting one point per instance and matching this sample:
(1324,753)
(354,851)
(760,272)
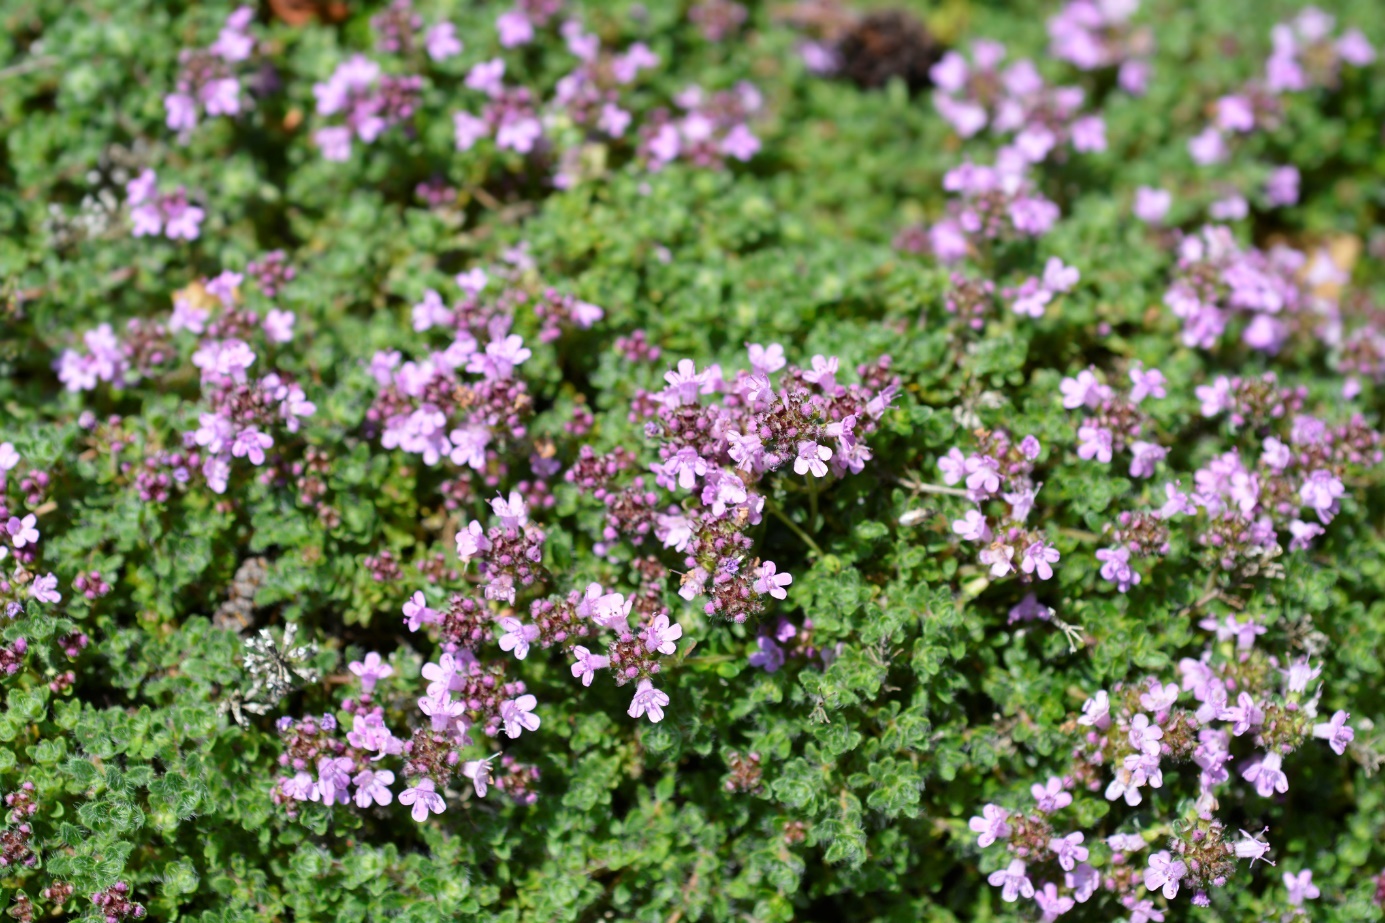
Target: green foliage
(921,702)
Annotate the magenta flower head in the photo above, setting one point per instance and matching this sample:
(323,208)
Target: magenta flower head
(424,798)
(1012,882)
(373,787)
(479,772)
(518,715)
(1300,887)
(45,589)
(371,670)
(990,825)
(1164,873)
(648,701)
(1336,732)
(767,580)
(517,636)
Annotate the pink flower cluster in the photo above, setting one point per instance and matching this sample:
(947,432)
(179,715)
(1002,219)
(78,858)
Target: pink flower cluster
(241,413)
(366,100)
(155,213)
(208,82)
(706,130)
(1097,34)
(1305,56)
(1217,279)
(998,480)
(1234,694)
(1114,422)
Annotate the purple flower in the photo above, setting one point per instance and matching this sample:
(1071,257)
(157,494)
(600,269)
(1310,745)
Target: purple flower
(45,589)
(1281,189)
(441,41)
(1051,903)
(998,555)
(23,531)
(1164,873)
(1096,711)
(769,657)
(1089,134)
(300,788)
(1207,148)
(1251,847)
(983,474)
(1144,457)
(518,715)
(442,709)
(1116,567)
(1069,850)
(441,674)
(990,825)
(181,112)
(278,325)
(684,468)
(513,513)
(1033,303)
(953,466)
(1146,384)
(471,541)
(467,129)
(587,664)
(660,636)
(1235,113)
(1244,715)
(1231,208)
(648,700)
(333,777)
(740,143)
(972,527)
(486,77)
(372,670)
(514,28)
(1300,887)
(1094,442)
(1051,797)
(1160,698)
(767,359)
(182,221)
(1058,277)
(611,610)
(479,772)
(613,120)
(1039,559)
(250,443)
(373,786)
(1354,48)
(1012,882)
(1144,735)
(1336,732)
(8,457)
(1083,391)
(1125,842)
(417,613)
(1267,775)
(1028,609)
(500,358)
(1321,490)
(517,636)
(1151,205)
(768,580)
(424,797)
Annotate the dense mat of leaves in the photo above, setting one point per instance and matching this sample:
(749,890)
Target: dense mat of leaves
(696,461)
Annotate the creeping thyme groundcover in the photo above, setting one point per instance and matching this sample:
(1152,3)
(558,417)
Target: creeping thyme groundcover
(692,460)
